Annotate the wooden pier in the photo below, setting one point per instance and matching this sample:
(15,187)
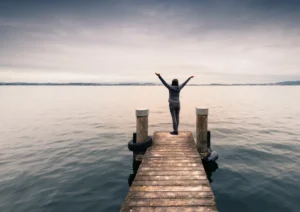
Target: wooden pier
(171,177)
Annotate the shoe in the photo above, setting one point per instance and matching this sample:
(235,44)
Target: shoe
(174,133)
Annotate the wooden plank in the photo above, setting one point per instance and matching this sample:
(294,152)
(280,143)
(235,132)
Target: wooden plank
(176,177)
(173,147)
(168,168)
(173,143)
(170,173)
(174,151)
(170,202)
(171,209)
(171,183)
(167,164)
(172,155)
(170,188)
(185,150)
(173,160)
(170,195)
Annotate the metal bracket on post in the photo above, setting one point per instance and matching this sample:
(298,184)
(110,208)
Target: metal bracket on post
(139,157)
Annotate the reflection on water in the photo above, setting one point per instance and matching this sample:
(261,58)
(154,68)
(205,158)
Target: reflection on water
(209,168)
(135,167)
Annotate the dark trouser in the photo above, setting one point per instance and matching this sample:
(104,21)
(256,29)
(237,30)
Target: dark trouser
(174,110)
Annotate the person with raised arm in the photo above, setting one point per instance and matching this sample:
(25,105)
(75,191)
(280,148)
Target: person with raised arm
(174,102)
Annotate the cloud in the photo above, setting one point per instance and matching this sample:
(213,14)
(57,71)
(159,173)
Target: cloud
(225,41)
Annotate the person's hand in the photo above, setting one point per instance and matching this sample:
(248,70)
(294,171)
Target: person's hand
(157,74)
(191,76)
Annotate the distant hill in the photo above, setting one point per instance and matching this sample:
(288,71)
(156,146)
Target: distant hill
(288,83)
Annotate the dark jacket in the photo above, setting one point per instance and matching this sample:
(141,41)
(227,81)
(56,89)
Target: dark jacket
(174,90)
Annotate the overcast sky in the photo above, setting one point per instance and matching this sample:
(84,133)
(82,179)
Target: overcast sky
(218,41)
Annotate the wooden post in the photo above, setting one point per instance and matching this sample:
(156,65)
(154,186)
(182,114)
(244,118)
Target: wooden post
(141,124)
(201,130)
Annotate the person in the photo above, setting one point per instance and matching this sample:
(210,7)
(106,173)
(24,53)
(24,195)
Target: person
(174,103)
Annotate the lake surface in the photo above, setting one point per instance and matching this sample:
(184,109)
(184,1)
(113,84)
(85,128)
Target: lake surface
(65,148)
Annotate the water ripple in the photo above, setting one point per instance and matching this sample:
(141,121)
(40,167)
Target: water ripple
(72,155)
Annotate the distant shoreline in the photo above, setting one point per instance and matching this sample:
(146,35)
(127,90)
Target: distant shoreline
(292,83)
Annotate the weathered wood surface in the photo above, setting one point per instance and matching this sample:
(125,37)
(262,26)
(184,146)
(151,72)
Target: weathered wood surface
(171,177)
(201,130)
(141,128)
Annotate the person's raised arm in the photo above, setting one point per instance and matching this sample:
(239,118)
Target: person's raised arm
(163,81)
(183,84)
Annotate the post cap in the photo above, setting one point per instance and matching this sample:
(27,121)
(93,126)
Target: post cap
(202,111)
(142,112)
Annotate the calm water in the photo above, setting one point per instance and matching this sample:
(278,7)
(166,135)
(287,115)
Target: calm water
(65,148)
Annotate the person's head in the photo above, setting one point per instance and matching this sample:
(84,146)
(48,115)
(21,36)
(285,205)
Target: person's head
(175,82)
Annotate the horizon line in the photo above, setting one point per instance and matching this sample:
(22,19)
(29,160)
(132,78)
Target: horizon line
(143,83)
